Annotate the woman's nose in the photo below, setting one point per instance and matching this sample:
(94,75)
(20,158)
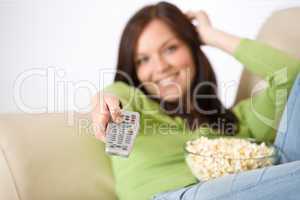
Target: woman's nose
(161,64)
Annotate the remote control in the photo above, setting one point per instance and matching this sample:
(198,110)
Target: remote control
(121,136)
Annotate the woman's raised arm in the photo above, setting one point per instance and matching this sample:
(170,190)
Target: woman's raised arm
(260,114)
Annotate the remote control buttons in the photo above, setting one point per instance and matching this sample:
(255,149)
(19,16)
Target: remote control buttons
(122,135)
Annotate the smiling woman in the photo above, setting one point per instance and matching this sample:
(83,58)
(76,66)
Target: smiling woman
(160,51)
(163,74)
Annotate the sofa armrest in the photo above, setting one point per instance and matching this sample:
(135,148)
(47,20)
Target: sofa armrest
(44,157)
(8,189)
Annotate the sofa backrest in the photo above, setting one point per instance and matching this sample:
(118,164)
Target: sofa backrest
(281,30)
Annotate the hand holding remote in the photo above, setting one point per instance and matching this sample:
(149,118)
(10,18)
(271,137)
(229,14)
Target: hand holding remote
(105,107)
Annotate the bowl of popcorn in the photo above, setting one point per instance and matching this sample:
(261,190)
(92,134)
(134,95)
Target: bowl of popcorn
(213,157)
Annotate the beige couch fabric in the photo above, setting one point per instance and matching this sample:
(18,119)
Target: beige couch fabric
(43,158)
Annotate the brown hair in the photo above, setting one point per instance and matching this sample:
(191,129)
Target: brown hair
(185,31)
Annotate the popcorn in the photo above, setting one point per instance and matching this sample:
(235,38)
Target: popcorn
(212,158)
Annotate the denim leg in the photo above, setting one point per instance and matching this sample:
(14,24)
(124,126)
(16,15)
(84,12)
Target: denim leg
(272,183)
(288,134)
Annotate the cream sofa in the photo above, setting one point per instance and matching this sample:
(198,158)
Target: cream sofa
(52,156)
(55,156)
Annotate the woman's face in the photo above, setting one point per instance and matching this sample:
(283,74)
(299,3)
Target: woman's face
(164,63)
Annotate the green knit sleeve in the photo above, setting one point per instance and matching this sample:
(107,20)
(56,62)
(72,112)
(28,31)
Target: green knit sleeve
(125,93)
(260,114)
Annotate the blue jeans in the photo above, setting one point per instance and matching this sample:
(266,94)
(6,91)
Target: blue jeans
(271,183)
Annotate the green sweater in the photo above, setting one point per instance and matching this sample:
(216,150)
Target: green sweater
(157,162)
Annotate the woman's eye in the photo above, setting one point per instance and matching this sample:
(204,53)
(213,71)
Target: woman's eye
(142,60)
(171,49)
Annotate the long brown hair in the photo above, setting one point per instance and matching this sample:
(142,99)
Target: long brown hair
(185,31)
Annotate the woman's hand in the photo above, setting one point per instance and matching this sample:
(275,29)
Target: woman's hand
(211,36)
(105,106)
(203,24)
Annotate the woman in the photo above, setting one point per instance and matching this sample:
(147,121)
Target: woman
(163,74)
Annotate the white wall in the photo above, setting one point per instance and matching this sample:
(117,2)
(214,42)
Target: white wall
(64,44)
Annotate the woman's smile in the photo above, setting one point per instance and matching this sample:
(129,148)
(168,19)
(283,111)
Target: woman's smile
(167,80)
